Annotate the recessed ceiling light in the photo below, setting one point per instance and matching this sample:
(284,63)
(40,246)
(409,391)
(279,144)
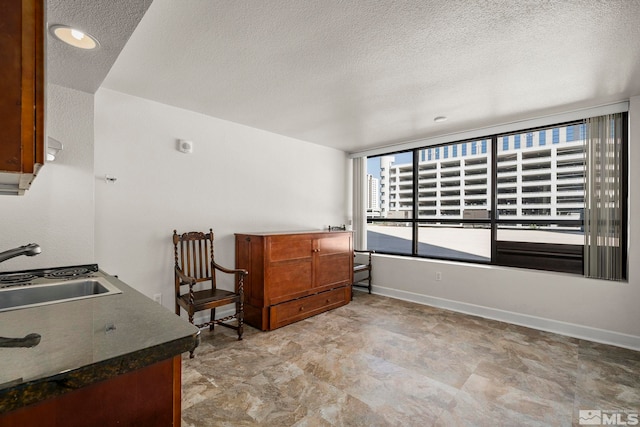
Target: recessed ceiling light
(440,119)
(74,37)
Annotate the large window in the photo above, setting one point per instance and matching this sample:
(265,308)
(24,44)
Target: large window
(508,199)
(393,231)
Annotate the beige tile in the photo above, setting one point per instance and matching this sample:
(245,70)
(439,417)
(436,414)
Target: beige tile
(384,362)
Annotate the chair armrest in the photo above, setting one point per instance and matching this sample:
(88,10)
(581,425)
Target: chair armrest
(184,279)
(229,271)
(357,251)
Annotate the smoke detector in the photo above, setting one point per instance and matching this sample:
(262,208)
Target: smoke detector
(185,146)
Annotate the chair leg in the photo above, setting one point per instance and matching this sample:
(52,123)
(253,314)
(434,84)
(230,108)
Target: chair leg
(213,317)
(369,287)
(240,316)
(191,312)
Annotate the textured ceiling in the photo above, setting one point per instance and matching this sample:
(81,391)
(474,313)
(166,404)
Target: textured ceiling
(366,73)
(110,21)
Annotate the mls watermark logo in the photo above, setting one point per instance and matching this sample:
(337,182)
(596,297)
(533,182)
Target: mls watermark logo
(590,417)
(598,417)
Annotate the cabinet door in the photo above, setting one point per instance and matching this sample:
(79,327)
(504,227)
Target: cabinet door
(289,272)
(149,396)
(333,261)
(11,87)
(22,89)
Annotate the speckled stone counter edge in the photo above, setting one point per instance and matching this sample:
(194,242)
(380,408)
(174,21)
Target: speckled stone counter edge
(32,392)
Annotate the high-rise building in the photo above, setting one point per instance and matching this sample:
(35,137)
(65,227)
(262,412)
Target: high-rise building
(373,197)
(540,176)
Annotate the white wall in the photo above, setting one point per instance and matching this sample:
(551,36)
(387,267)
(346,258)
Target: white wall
(600,310)
(238,179)
(244,179)
(57,211)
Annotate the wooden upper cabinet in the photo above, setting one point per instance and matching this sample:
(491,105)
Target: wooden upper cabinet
(22,147)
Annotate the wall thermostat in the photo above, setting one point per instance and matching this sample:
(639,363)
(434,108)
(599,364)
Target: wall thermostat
(185,146)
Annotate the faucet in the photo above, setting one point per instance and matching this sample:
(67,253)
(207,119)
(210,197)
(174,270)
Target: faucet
(29,250)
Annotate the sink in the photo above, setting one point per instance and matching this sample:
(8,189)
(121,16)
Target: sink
(51,293)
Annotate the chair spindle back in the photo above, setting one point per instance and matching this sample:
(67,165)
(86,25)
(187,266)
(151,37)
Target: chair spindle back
(194,254)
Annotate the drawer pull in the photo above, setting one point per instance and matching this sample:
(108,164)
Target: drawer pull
(301,308)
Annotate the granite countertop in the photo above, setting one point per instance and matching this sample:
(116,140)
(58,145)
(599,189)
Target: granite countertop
(86,341)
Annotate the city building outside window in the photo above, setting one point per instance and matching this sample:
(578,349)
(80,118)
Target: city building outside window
(505,204)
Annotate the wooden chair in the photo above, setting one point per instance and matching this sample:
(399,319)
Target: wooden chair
(362,268)
(195,281)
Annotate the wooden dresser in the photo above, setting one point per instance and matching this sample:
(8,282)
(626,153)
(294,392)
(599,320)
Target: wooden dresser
(293,276)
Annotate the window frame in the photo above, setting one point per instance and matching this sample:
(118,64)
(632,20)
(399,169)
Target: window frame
(532,255)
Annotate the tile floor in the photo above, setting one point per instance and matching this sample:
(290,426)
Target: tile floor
(385,362)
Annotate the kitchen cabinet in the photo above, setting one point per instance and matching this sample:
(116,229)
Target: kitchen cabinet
(293,276)
(22,146)
(149,396)
(102,360)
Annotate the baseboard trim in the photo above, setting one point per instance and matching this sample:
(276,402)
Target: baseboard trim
(563,328)
(603,336)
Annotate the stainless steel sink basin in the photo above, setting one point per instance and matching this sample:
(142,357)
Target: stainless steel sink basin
(51,293)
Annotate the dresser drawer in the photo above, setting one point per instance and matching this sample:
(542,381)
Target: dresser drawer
(292,311)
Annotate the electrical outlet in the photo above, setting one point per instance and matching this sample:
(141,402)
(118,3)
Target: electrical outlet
(158,298)
(438,276)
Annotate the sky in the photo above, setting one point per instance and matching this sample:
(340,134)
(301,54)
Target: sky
(373,163)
